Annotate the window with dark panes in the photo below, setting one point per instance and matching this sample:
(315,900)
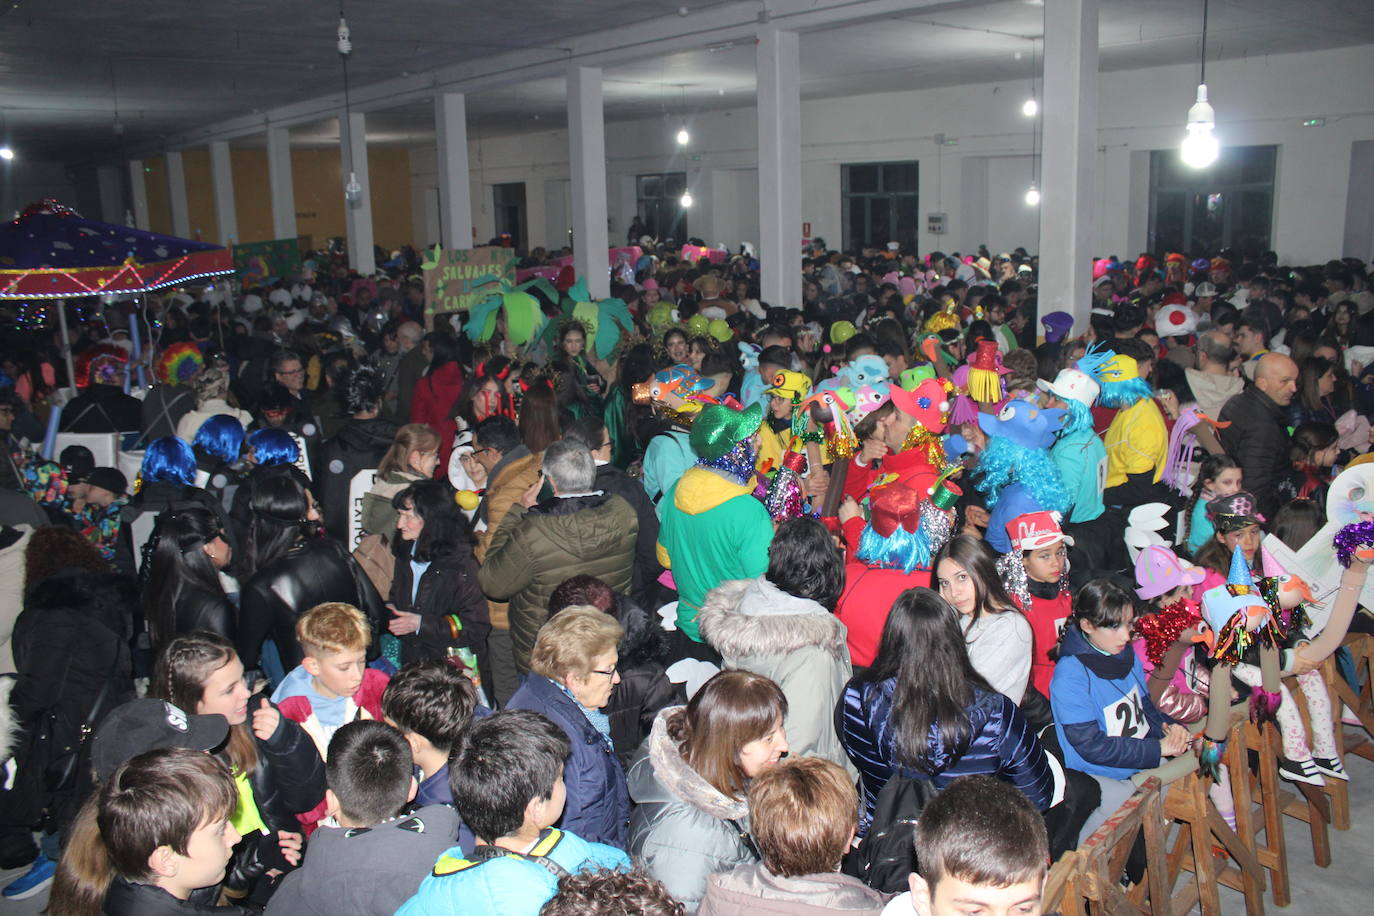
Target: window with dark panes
(1229,204)
(881,204)
(659,204)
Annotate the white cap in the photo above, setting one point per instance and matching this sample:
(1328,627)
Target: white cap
(1175,321)
(1072,385)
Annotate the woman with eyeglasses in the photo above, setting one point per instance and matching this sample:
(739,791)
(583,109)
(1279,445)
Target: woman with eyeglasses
(183,592)
(572,671)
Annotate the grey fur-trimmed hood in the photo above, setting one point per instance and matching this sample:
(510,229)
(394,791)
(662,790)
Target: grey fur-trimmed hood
(683,781)
(744,617)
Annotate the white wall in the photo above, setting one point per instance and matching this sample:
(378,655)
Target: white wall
(980,175)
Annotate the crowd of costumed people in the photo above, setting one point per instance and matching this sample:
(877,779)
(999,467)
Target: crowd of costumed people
(671,601)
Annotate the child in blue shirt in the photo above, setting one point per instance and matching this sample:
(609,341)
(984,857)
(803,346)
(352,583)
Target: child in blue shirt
(1108,727)
(507,783)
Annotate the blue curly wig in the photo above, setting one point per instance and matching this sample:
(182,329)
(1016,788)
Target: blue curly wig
(1004,462)
(900,550)
(1124,394)
(1080,418)
(169,458)
(220,436)
(273,446)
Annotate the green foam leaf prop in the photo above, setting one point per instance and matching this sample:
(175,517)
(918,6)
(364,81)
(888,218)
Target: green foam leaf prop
(524,317)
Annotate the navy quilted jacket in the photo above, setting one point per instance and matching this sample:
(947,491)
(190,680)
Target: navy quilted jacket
(1003,744)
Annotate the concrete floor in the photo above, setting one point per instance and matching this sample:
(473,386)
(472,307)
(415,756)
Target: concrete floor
(1346,887)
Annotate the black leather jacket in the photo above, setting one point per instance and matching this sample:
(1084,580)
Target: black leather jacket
(288,779)
(312,572)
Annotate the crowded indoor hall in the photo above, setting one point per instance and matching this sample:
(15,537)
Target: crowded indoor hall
(884,457)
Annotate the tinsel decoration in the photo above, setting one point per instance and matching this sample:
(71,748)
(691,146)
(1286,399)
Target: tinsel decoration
(1290,620)
(784,499)
(937,525)
(922,438)
(1209,757)
(1352,538)
(738,462)
(1012,572)
(1161,629)
(1264,705)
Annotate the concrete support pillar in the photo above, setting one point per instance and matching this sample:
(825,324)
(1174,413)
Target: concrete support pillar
(138,195)
(587,142)
(222,175)
(283,188)
(455,194)
(780,224)
(357,214)
(111,194)
(1069,159)
(176,194)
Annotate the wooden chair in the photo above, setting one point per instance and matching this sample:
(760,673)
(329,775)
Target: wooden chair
(1361,646)
(1336,791)
(1061,887)
(1200,829)
(1101,861)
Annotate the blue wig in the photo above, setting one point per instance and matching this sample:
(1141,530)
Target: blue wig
(220,436)
(169,458)
(1124,394)
(900,550)
(273,446)
(1004,462)
(1080,418)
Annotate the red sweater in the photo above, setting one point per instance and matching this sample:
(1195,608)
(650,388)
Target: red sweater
(1046,616)
(432,404)
(867,597)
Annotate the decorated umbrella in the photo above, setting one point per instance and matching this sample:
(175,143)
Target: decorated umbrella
(52,252)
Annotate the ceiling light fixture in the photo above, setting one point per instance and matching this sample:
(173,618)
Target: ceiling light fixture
(1031,107)
(1200,147)
(1033,196)
(686,199)
(6,153)
(683,137)
(353,189)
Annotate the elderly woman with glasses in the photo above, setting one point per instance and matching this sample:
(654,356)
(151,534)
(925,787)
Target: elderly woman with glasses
(572,671)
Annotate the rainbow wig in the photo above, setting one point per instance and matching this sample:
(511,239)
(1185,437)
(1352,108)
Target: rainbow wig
(273,446)
(170,459)
(178,364)
(221,436)
(1005,461)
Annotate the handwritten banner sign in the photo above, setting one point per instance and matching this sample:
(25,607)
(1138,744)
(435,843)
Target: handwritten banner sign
(457,279)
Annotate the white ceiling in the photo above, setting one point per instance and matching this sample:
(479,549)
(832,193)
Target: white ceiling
(177,66)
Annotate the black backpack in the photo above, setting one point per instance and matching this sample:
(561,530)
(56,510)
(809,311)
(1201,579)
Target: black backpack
(886,856)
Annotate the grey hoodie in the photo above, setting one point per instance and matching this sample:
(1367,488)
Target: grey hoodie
(373,869)
(680,830)
(797,643)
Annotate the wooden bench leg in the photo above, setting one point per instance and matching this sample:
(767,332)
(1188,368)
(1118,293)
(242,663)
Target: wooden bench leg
(1273,852)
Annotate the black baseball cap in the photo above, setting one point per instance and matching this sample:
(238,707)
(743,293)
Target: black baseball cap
(78,461)
(147,725)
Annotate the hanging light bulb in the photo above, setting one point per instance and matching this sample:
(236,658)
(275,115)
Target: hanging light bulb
(1200,147)
(1033,196)
(6,153)
(353,191)
(683,138)
(1031,108)
(686,199)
